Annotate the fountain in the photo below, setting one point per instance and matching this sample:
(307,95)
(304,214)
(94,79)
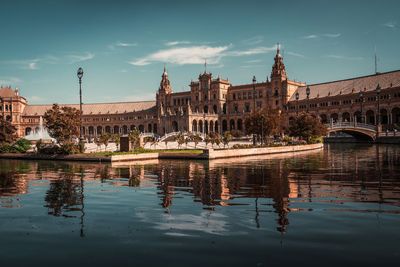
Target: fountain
(40,134)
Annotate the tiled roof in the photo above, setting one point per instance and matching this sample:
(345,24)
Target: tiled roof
(354,85)
(7,92)
(248,86)
(98,108)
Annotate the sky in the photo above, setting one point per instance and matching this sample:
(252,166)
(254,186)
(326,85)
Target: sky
(123,46)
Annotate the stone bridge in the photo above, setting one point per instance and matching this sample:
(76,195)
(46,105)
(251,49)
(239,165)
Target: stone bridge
(202,135)
(358,130)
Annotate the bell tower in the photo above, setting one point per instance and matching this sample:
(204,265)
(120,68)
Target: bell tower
(278,84)
(162,95)
(278,69)
(165,86)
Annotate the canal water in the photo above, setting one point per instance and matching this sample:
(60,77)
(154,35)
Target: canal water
(336,206)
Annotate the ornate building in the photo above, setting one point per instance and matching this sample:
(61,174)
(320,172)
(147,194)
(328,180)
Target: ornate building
(214,104)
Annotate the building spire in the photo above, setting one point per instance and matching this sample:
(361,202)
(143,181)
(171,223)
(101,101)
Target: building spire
(278,48)
(165,71)
(205,65)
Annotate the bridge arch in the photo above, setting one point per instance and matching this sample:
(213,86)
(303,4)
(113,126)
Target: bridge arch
(360,131)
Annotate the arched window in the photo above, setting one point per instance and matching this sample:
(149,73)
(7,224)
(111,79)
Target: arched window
(28,131)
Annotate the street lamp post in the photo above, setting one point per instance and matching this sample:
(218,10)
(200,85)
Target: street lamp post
(297,103)
(254,105)
(378,92)
(80,74)
(262,129)
(254,93)
(361,105)
(308,97)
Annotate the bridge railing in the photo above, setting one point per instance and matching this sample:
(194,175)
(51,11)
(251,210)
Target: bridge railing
(162,138)
(369,127)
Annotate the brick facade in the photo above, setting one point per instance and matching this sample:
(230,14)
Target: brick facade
(214,104)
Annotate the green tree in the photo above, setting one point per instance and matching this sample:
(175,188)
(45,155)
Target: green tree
(207,140)
(180,139)
(187,139)
(196,139)
(134,137)
(267,121)
(62,123)
(226,138)
(217,140)
(7,132)
(104,139)
(116,139)
(98,143)
(306,126)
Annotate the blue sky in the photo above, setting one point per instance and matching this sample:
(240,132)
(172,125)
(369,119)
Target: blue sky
(123,45)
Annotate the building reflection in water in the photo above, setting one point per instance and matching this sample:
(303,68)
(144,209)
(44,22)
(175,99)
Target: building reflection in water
(275,184)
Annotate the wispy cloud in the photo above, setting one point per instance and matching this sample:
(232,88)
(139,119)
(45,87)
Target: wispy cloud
(197,54)
(254,40)
(311,36)
(295,54)
(344,57)
(10,80)
(253,51)
(184,55)
(390,24)
(125,44)
(177,43)
(253,61)
(329,35)
(80,58)
(332,35)
(121,44)
(25,64)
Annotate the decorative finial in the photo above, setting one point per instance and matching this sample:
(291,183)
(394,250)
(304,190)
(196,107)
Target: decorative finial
(165,71)
(205,66)
(278,49)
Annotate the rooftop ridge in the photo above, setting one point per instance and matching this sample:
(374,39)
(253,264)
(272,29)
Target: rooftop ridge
(102,103)
(355,78)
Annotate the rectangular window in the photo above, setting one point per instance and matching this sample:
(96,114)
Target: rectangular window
(260,93)
(244,95)
(247,107)
(249,93)
(234,96)
(239,96)
(259,104)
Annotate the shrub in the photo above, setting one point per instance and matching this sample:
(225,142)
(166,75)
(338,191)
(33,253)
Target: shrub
(5,148)
(22,145)
(64,149)
(236,133)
